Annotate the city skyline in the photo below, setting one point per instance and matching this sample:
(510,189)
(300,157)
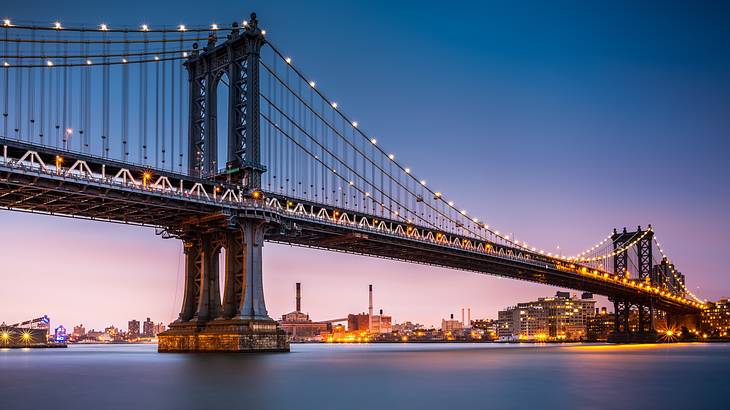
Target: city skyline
(647,104)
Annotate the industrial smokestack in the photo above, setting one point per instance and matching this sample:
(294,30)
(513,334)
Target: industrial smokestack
(462,317)
(299,297)
(370,307)
(468,317)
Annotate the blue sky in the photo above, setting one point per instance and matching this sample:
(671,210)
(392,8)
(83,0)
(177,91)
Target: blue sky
(556,121)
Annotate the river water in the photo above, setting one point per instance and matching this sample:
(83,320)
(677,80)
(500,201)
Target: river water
(383,376)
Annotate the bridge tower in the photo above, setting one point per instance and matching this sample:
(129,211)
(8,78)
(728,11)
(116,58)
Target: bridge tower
(238,321)
(237,58)
(641,240)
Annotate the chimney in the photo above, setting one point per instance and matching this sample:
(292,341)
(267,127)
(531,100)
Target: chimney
(462,317)
(299,297)
(468,317)
(370,307)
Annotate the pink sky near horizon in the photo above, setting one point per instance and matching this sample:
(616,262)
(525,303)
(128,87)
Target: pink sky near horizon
(101,274)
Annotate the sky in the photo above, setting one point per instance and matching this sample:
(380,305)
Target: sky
(556,121)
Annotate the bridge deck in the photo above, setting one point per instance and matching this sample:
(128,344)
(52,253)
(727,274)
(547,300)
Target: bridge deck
(31,187)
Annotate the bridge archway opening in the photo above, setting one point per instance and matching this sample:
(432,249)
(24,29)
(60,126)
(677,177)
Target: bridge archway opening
(222,91)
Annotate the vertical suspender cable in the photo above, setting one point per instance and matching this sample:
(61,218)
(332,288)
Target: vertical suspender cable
(180,110)
(42,98)
(125,101)
(287,171)
(70,128)
(172,114)
(82,97)
(18,90)
(6,73)
(58,94)
(31,95)
(157,115)
(105,103)
(64,120)
(87,106)
(164,65)
(143,104)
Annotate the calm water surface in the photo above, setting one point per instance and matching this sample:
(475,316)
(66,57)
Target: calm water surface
(397,376)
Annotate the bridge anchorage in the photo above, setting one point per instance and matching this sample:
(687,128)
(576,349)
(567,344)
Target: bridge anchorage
(326,183)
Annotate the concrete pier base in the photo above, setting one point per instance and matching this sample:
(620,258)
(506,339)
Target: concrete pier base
(224,336)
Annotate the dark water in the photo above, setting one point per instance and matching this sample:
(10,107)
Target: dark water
(408,376)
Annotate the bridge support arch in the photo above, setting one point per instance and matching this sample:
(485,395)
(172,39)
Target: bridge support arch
(239,321)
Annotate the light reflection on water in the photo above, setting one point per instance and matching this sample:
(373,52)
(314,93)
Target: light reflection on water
(424,376)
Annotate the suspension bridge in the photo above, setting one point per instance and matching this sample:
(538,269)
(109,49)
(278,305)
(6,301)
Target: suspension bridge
(213,136)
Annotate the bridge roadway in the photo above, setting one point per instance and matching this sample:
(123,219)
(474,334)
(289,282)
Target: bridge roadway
(108,190)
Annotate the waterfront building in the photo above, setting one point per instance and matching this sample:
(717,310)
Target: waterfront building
(407,327)
(381,324)
(93,335)
(78,332)
(298,325)
(600,325)
(361,323)
(488,327)
(114,333)
(133,329)
(716,318)
(562,317)
(358,322)
(451,325)
(148,328)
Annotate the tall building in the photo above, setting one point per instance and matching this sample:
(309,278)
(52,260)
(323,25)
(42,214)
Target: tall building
(561,317)
(148,328)
(716,318)
(133,329)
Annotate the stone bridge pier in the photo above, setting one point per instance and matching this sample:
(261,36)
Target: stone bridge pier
(237,321)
